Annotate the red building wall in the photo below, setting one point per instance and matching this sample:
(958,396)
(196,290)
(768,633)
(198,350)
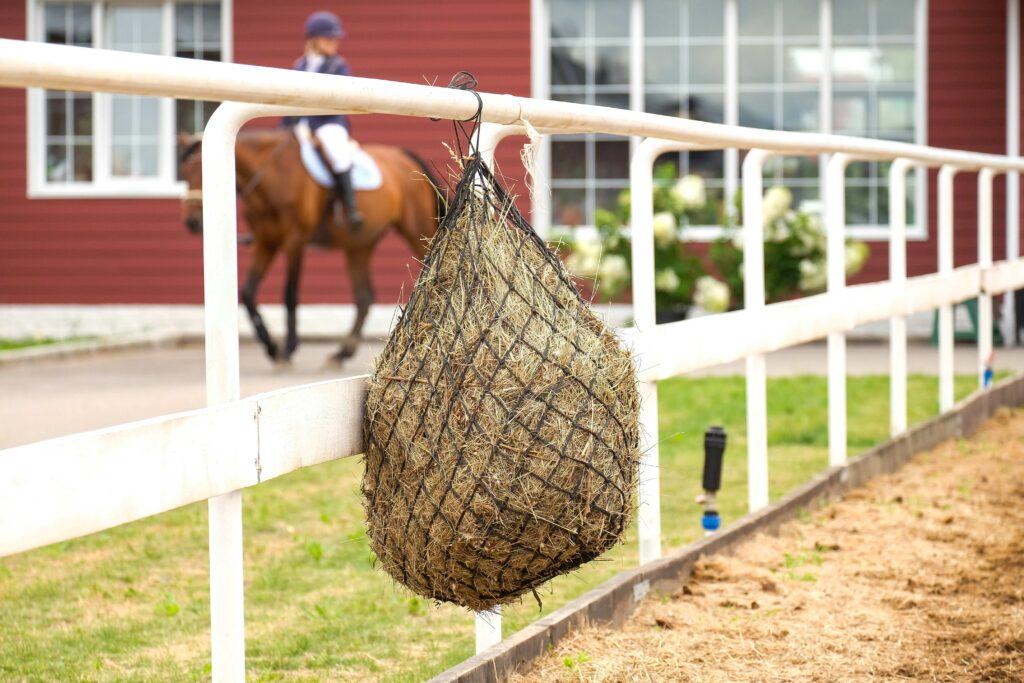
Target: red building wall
(137,251)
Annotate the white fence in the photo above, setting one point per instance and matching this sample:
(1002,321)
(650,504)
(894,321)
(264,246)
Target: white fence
(71,486)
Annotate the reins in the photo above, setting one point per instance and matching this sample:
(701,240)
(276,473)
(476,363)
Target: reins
(257,177)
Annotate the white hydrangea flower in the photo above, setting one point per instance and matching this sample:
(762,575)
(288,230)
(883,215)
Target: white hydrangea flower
(711,294)
(664,227)
(775,204)
(855,256)
(690,192)
(666,280)
(813,275)
(614,271)
(585,259)
(737,238)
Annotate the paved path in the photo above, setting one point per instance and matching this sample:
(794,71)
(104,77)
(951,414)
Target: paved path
(44,399)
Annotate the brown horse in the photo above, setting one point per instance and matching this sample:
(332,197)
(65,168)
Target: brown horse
(284,205)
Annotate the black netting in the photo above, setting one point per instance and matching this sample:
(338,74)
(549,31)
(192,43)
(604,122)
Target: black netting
(501,425)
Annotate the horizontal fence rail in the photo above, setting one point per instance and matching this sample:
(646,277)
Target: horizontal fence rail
(67,487)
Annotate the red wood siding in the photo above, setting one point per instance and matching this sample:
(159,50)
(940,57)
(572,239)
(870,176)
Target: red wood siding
(137,251)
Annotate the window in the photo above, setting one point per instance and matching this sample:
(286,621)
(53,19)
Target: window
(866,81)
(590,64)
(96,144)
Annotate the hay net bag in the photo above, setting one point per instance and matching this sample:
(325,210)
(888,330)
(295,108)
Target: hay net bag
(501,420)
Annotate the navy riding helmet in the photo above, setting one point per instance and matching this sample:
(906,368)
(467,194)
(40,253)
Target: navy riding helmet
(324,24)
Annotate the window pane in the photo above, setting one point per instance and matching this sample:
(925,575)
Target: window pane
(757,110)
(611,159)
(56,163)
(568,159)
(661,18)
(55,23)
(56,114)
(82,114)
(896,17)
(709,164)
(135,121)
(661,65)
(706,18)
(895,65)
(756,17)
(608,197)
(850,18)
(611,19)
(706,64)
(662,103)
(853,64)
(568,66)
(568,18)
(802,64)
(568,206)
(756,64)
(67,116)
(850,113)
(706,107)
(800,17)
(800,111)
(81,25)
(612,66)
(858,205)
(619,100)
(211,23)
(184,29)
(896,113)
(83,162)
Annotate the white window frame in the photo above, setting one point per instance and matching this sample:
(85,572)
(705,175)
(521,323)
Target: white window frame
(103,185)
(541,88)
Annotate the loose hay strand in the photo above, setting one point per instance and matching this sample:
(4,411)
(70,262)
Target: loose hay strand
(501,422)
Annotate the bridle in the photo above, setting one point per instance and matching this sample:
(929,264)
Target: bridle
(193,196)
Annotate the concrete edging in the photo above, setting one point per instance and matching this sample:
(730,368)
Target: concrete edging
(87,347)
(615,600)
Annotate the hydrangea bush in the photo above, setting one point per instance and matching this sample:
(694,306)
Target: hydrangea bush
(794,248)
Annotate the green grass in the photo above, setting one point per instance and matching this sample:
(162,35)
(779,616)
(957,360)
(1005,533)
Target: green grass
(12,344)
(132,602)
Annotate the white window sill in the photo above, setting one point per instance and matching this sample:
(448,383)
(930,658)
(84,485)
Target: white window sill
(136,190)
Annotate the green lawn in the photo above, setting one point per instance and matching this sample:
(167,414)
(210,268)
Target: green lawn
(12,344)
(132,603)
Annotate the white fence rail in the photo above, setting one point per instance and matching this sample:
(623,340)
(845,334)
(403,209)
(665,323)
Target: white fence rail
(64,488)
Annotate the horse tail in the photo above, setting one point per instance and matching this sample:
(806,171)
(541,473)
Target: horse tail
(439,195)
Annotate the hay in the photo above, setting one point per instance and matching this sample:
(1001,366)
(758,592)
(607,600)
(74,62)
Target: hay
(501,424)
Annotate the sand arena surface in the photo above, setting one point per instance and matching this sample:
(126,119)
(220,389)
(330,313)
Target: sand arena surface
(917,576)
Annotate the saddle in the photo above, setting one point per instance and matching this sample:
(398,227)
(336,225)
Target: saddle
(366,174)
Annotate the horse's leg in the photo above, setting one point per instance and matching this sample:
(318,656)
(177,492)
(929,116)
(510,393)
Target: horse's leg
(291,298)
(359,272)
(262,257)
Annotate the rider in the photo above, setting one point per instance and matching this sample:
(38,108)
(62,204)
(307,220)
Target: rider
(323,34)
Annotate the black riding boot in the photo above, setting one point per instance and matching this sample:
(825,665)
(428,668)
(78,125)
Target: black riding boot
(347,196)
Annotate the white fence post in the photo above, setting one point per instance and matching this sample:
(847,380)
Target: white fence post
(220,286)
(984,261)
(754,300)
(946,393)
(898,276)
(835,228)
(641,185)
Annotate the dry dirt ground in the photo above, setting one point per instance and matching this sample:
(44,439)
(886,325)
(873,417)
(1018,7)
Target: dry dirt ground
(917,576)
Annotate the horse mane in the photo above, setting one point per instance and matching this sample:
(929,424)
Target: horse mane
(439,194)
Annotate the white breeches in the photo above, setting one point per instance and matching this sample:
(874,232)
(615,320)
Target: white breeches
(335,142)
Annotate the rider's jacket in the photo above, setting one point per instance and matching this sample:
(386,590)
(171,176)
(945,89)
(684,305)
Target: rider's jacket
(335,66)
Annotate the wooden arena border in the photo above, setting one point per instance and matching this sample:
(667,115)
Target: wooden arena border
(615,600)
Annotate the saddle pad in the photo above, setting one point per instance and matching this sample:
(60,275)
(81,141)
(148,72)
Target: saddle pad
(365,172)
